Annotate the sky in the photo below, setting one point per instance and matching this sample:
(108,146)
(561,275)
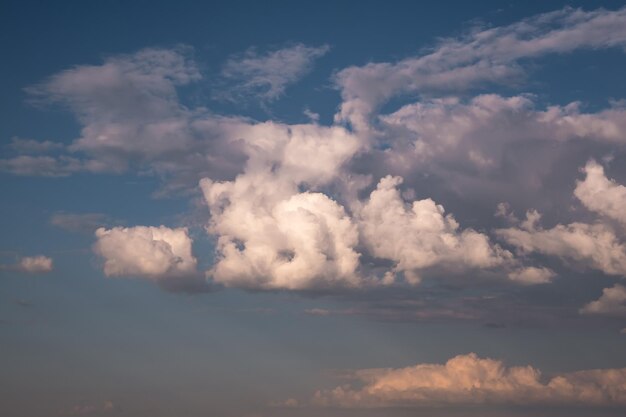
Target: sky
(310,209)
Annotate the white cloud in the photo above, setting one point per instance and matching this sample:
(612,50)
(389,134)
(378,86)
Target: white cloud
(532,275)
(600,194)
(286,201)
(131,118)
(35,264)
(611,303)
(590,245)
(419,235)
(271,233)
(266,76)
(487,55)
(159,254)
(477,132)
(468,379)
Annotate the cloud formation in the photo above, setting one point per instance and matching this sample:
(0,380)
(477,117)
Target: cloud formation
(593,246)
(359,202)
(611,303)
(469,379)
(158,254)
(419,235)
(35,264)
(482,56)
(132,119)
(38,264)
(598,246)
(601,194)
(266,76)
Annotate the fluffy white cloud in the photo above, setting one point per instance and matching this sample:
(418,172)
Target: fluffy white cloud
(611,303)
(590,245)
(600,194)
(159,254)
(273,235)
(468,379)
(419,235)
(266,76)
(35,264)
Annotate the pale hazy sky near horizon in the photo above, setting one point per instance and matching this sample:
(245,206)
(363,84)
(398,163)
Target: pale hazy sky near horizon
(301,209)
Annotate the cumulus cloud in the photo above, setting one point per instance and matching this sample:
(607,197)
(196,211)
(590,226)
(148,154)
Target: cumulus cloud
(420,235)
(292,206)
(589,245)
(469,379)
(532,275)
(276,229)
(266,76)
(158,254)
(611,303)
(491,148)
(271,233)
(601,194)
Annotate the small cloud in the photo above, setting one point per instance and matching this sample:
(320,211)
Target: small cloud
(31,146)
(30,264)
(35,264)
(79,222)
(611,303)
(318,312)
(157,254)
(313,117)
(92,409)
(266,76)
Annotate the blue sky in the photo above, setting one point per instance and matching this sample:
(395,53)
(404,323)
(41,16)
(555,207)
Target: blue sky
(315,209)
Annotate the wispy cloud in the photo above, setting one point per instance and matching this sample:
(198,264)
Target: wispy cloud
(80,222)
(482,56)
(266,76)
